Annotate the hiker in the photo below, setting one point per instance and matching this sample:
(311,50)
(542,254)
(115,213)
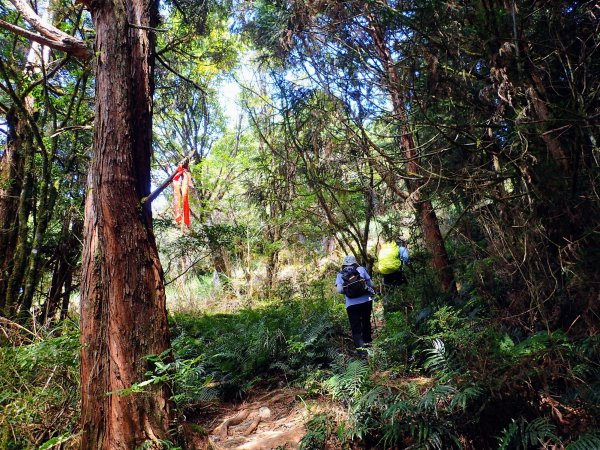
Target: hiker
(403,252)
(355,283)
(391,259)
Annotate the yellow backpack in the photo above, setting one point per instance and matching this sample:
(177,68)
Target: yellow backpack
(388,259)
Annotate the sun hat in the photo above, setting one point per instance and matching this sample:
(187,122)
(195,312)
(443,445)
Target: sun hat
(349,260)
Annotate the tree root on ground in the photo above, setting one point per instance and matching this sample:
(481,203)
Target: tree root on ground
(223,428)
(235,420)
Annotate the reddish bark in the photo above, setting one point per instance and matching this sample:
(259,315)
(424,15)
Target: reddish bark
(123,313)
(425,212)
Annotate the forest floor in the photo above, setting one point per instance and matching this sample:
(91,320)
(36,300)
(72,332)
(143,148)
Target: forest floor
(266,420)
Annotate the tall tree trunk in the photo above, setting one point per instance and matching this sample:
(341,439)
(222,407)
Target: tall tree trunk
(50,306)
(47,200)
(64,307)
(272,235)
(123,312)
(11,182)
(425,212)
(16,273)
(66,260)
(19,290)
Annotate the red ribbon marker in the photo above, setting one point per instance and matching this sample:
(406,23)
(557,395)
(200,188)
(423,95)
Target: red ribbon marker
(181,184)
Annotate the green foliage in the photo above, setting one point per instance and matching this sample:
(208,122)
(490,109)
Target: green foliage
(589,441)
(413,414)
(458,347)
(159,444)
(318,430)
(232,352)
(269,27)
(396,342)
(39,398)
(438,359)
(348,385)
(55,441)
(505,129)
(523,435)
(465,396)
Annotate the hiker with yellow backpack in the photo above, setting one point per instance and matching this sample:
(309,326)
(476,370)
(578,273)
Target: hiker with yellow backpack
(391,259)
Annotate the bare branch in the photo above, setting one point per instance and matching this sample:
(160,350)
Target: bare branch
(142,27)
(71,128)
(184,78)
(163,186)
(48,34)
(26,33)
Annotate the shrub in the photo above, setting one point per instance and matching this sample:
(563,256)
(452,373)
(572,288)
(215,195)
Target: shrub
(39,375)
(278,342)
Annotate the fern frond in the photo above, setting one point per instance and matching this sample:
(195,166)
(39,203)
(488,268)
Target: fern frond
(463,396)
(521,434)
(533,344)
(538,431)
(439,359)
(508,435)
(319,428)
(437,356)
(371,398)
(427,437)
(348,385)
(588,441)
(434,397)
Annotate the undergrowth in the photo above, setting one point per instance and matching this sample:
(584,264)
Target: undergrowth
(280,342)
(39,386)
(440,375)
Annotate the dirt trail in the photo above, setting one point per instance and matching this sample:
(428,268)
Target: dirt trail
(266,421)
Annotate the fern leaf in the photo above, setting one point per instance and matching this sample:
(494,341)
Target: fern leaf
(435,396)
(464,395)
(538,431)
(349,384)
(522,434)
(508,435)
(588,441)
(437,356)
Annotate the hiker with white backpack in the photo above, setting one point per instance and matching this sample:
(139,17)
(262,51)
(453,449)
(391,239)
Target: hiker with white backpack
(355,283)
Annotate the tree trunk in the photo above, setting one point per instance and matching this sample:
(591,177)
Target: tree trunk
(66,260)
(272,261)
(425,212)
(11,182)
(123,313)
(272,235)
(220,258)
(47,200)
(428,218)
(16,271)
(19,288)
(59,275)
(64,307)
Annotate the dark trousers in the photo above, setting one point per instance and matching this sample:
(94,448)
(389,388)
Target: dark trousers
(360,323)
(394,279)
